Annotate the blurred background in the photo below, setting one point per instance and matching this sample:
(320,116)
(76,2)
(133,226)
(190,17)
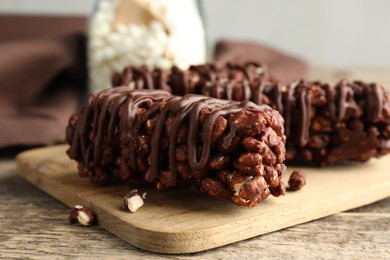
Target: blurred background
(51,50)
(330,33)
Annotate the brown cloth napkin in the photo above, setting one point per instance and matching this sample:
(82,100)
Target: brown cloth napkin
(42,73)
(283,67)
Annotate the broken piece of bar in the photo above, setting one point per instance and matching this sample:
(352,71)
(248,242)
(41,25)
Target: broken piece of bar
(227,149)
(324,124)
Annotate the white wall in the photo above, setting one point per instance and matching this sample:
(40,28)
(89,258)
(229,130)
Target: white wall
(81,7)
(324,32)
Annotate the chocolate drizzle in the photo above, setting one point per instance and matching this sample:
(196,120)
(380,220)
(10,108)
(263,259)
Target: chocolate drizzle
(120,106)
(310,109)
(188,107)
(289,104)
(297,103)
(304,110)
(375,96)
(141,78)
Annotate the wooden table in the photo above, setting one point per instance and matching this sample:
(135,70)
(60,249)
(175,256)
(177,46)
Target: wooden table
(34,225)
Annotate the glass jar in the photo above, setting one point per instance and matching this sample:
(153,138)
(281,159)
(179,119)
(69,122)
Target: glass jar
(155,33)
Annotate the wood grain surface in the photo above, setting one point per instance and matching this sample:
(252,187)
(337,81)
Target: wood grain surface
(34,225)
(186,221)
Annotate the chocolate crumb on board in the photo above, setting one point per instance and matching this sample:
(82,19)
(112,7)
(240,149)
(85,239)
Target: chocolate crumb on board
(297,180)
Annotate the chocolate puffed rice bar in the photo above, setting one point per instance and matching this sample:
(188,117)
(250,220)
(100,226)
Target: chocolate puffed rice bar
(227,149)
(324,124)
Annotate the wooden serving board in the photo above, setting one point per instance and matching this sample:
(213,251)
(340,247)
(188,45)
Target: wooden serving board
(187,221)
